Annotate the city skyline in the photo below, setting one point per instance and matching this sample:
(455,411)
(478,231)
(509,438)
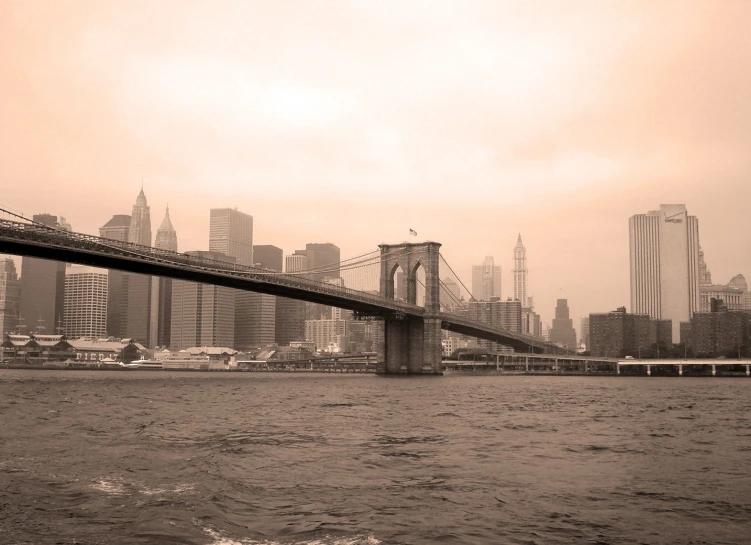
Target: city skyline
(564,153)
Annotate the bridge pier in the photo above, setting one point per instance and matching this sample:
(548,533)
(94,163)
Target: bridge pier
(714,370)
(411,346)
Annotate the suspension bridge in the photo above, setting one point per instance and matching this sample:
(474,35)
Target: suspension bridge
(411,339)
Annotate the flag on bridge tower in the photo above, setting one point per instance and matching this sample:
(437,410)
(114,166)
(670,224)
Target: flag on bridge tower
(412,232)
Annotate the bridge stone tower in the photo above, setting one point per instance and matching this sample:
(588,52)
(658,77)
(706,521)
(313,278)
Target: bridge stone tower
(411,345)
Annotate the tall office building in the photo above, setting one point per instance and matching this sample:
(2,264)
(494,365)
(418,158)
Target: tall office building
(255,314)
(664,254)
(202,314)
(161,288)
(531,324)
(584,331)
(505,314)
(137,311)
(231,233)
(520,272)
(323,260)
(290,313)
(166,236)
(117,228)
(563,331)
(10,291)
(450,294)
(268,257)
(486,280)
(85,302)
(42,290)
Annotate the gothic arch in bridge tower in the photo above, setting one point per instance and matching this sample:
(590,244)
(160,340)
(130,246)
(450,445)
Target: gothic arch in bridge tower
(410,257)
(411,344)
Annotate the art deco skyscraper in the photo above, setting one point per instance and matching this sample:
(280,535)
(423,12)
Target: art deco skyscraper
(520,272)
(664,254)
(161,288)
(138,311)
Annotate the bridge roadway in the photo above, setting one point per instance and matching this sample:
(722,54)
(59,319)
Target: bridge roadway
(35,240)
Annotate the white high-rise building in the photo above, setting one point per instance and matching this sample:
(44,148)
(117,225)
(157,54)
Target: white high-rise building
(295,263)
(664,254)
(486,280)
(520,272)
(10,292)
(85,302)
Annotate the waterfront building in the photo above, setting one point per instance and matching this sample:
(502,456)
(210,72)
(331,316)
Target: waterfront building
(497,313)
(117,228)
(720,332)
(663,333)
(85,307)
(563,332)
(161,288)
(619,334)
(10,292)
(202,314)
(42,297)
(664,258)
(328,335)
(486,280)
(520,272)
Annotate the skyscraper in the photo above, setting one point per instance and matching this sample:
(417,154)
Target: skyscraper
(664,254)
(323,255)
(140,222)
(290,313)
(137,310)
(85,302)
(486,280)
(166,236)
(268,257)
(231,233)
(117,228)
(42,290)
(255,314)
(10,291)
(161,288)
(520,271)
(202,314)
(562,331)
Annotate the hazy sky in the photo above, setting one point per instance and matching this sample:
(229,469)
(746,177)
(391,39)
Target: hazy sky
(351,122)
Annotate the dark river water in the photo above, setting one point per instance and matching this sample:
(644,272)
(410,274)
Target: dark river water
(208,459)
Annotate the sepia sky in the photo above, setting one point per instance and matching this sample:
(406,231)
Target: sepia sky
(352,122)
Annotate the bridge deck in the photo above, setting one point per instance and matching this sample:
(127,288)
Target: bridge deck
(45,242)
